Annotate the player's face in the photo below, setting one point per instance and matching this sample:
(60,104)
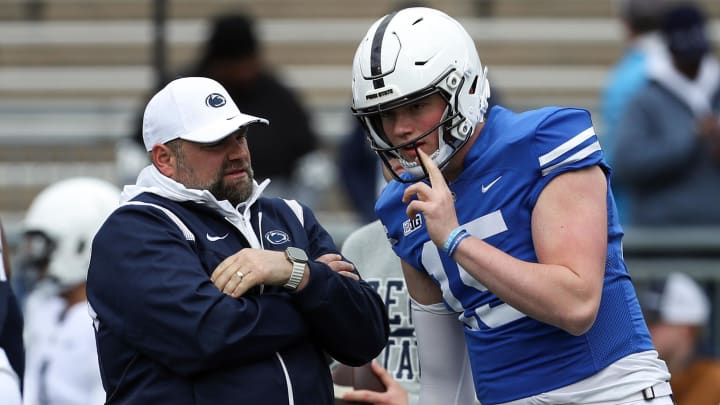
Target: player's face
(223,167)
(408,122)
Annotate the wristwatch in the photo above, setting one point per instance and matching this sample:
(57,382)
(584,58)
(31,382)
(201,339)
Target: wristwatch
(298,258)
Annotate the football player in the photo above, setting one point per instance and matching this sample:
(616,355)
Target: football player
(505,218)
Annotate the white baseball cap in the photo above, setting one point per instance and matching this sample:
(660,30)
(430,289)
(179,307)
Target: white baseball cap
(196,109)
(679,300)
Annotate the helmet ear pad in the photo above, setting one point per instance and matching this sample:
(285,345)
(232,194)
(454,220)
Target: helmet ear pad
(412,53)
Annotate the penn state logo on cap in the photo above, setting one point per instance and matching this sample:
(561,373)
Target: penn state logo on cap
(215,100)
(210,113)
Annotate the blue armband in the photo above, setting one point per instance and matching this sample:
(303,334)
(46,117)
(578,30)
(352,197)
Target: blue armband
(456,243)
(453,241)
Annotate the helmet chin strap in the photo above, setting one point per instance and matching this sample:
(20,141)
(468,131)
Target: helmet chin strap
(417,168)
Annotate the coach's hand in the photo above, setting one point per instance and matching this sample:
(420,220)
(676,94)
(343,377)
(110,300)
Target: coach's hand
(434,201)
(338,265)
(250,267)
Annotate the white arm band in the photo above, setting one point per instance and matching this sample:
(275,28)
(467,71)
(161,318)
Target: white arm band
(446,377)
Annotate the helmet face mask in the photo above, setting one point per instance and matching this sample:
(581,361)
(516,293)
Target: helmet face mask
(409,55)
(387,150)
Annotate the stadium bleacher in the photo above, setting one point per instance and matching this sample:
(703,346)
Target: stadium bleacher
(74,72)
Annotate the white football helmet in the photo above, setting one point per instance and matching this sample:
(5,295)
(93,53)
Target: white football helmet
(65,217)
(411,54)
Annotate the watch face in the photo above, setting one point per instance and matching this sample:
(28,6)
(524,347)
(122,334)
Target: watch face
(296,254)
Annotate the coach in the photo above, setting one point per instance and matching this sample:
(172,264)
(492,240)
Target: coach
(204,292)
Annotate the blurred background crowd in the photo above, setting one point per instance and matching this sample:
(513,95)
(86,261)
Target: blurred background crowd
(74,75)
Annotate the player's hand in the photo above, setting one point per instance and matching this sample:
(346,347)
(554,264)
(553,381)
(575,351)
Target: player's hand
(250,267)
(338,265)
(394,393)
(434,201)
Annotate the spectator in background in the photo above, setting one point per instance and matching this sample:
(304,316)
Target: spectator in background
(677,311)
(232,55)
(12,353)
(640,21)
(62,363)
(667,149)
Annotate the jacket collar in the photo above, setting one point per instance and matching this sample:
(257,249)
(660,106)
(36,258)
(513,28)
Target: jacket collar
(150,180)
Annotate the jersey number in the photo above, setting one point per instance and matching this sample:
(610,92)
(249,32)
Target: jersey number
(491,316)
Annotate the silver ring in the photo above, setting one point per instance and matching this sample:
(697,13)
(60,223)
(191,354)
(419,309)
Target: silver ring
(239,274)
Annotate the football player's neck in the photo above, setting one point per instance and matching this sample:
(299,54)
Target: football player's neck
(457,164)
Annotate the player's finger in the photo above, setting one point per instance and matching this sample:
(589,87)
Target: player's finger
(419,189)
(414,208)
(434,173)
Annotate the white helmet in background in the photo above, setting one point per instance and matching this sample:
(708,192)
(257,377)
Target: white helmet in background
(408,55)
(65,216)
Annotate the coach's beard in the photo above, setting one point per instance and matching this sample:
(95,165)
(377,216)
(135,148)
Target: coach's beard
(235,191)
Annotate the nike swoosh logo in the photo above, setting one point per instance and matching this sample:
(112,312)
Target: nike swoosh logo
(215,238)
(484,188)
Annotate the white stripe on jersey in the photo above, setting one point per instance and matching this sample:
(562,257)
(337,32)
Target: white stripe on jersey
(433,264)
(577,156)
(566,146)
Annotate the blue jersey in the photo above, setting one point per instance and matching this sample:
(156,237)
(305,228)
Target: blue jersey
(512,355)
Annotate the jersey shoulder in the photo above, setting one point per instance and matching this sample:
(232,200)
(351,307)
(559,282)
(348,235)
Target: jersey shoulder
(557,136)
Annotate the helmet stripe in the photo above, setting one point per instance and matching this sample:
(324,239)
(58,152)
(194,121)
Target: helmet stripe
(375,57)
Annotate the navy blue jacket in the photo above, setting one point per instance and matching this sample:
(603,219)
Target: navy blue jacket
(11,328)
(166,334)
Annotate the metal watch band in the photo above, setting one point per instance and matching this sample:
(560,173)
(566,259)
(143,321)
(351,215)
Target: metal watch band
(296,276)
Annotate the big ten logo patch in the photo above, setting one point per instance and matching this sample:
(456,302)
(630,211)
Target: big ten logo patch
(400,354)
(412,224)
